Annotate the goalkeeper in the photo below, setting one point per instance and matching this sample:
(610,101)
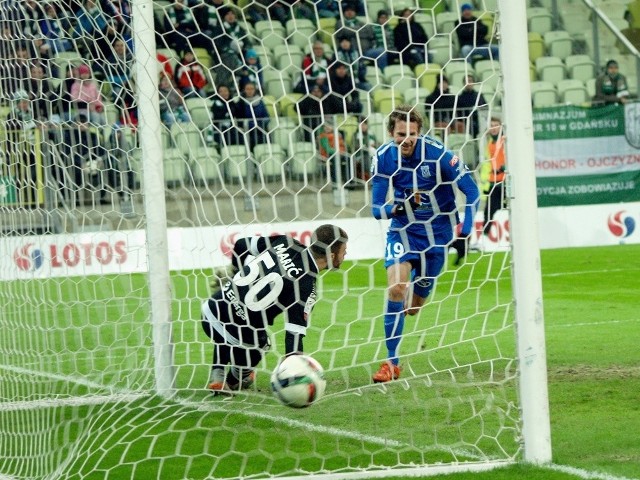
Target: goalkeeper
(274,275)
(421,173)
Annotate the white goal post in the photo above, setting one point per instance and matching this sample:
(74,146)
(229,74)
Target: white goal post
(104,364)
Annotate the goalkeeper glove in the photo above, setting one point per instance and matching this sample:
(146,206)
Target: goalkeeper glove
(461,245)
(403,209)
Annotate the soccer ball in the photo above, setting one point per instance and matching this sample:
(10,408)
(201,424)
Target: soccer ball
(298,381)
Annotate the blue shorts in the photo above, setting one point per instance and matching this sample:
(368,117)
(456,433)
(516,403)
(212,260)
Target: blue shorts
(426,260)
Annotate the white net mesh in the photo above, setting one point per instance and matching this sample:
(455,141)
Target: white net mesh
(257,138)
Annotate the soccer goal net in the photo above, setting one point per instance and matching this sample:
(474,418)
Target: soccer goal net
(140,139)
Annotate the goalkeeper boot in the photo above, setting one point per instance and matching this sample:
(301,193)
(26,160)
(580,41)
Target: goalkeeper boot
(248,378)
(217,383)
(388,371)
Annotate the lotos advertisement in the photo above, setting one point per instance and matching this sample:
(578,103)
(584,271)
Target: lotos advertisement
(102,253)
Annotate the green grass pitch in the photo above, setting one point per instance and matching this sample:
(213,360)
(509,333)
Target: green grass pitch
(89,338)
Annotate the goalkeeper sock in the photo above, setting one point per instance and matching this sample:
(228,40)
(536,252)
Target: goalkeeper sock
(393,326)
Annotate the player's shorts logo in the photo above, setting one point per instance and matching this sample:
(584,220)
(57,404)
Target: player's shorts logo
(27,258)
(226,244)
(621,224)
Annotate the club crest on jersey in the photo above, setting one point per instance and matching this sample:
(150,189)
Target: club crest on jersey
(454,161)
(424,171)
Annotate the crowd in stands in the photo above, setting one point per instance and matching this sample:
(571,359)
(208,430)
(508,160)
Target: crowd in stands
(219,57)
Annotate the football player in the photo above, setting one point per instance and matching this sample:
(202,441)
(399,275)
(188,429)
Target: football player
(274,275)
(422,174)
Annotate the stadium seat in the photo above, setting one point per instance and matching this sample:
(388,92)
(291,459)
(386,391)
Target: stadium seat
(392,72)
(580,67)
(590,85)
(539,19)
(437,6)
(199,111)
(288,56)
(286,131)
(186,137)
(485,65)
(457,71)
(270,158)
(302,161)
(377,125)
(286,105)
(427,75)
(441,48)
(558,43)
(445,21)
(416,97)
(326,29)
(536,46)
(572,91)
(385,99)
(206,165)
(543,94)
(175,166)
(426,21)
(550,69)
(270,40)
(235,159)
(264,27)
(275,82)
(203,57)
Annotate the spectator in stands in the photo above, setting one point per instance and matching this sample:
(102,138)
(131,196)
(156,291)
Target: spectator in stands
(14,72)
(120,13)
(117,71)
(55,30)
(251,71)
(343,97)
(172,106)
(223,131)
(441,106)
(82,152)
(251,112)
(472,36)
(92,29)
(21,138)
(611,86)
(410,40)
(180,31)
(382,40)
(315,70)
(494,173)
(208,20)
(61,97)
(311,110)
(280,11)
(41,95)
(232,43)
(347,54)
(333,152)
(190,76)
(86,97)
(469,101)
(327,8)
(363,146)
(349,26)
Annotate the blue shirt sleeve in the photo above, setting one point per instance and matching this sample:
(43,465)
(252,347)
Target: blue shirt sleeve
(468,186)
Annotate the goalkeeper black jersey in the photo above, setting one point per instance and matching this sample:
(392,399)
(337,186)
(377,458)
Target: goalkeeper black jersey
(277,275)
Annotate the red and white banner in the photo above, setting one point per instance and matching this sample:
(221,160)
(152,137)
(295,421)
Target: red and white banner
(100,253)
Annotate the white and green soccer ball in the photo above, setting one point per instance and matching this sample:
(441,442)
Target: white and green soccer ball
(298,381)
